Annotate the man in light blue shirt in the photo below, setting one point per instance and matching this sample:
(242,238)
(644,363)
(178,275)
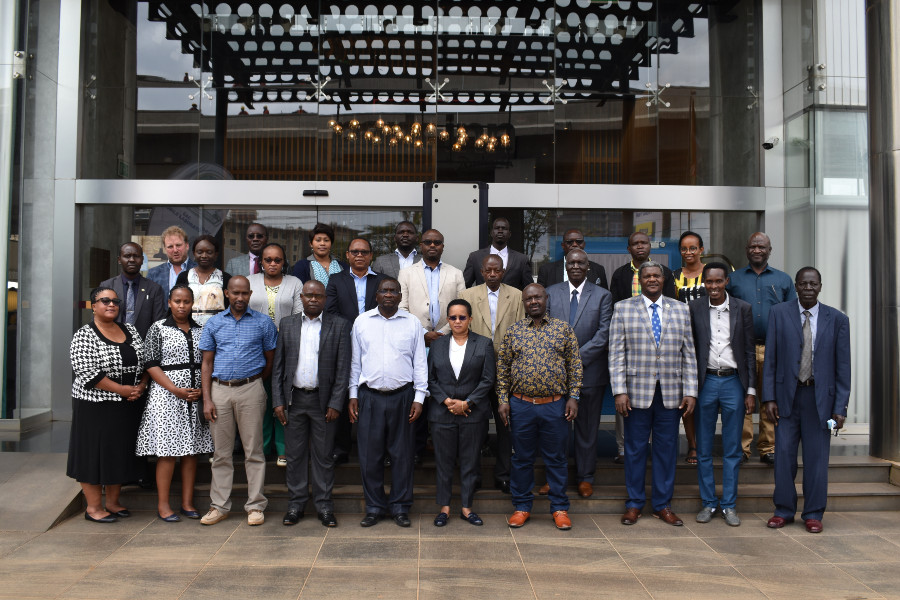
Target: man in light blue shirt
(175,245)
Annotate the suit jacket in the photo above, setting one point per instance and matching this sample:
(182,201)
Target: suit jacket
(743,345)
(303,270)
(509,310)
(635,360)
(476,379)
(240,265)
(831,359)
(160,273)
(149,302)
(287,300)
(341,295)
(518,269)
(334,361)
(416,300)
(591,327)
(620,284)
(389,264)
(552,273)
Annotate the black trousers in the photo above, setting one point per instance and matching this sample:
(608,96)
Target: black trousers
(461,441)
(308,445)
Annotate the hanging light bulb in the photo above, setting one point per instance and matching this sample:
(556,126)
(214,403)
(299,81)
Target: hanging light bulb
(491,147)
(332,123)
(353,124)
(338,130)
(368,136)
(392,141)
(351,136)
(386,130)
(444,135)
(418,144)
(504,140)
(376,139)
(407,138)
(457,147)
(379,123)
(461,131)
(415,129)
(430,129)
(479,144)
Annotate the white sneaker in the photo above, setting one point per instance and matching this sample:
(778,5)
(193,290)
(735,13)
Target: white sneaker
(213,516)
(256,517)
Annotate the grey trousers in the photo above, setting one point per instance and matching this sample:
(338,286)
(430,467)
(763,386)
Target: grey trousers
(308,444)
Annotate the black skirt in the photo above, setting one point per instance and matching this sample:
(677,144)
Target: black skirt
(102,443)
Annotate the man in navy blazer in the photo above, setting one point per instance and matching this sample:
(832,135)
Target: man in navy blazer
(587,308)
(517,265)
(175,245)
(806,383)
(149,298)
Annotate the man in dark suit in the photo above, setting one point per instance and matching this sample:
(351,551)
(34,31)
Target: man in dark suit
(587,308)
(309,381)
(349,295)
(806,382)
(143,301)
(726,376)
(555,272)
(175,245)
(625,283)
(406,237)
(517,265)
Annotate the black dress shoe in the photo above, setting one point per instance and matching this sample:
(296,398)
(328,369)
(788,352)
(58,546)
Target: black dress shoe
(327,518)
(502,485)
(122,514)
(370,519)
(339,459)
(472,518)
(402,519)
(768,458)
(292,517)
(107,519)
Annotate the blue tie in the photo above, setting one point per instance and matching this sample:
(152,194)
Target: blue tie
(129,302)
(655,324)
(573,308)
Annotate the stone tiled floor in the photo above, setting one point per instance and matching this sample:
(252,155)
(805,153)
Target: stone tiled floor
(857,556)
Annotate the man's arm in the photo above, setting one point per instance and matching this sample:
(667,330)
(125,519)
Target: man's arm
(278,398)
(688,363)
(331,298)
(768,382)
(206,369)
(469,271)
(594,347)
(504,362)
(842,367)
(343,355)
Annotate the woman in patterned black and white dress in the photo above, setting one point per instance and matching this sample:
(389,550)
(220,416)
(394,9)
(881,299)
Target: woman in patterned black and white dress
(171,426)
(108,360)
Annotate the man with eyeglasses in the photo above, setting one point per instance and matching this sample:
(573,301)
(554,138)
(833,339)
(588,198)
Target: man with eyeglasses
(250,263)
(555,272)
(388,382)
(516,264)
(350,294)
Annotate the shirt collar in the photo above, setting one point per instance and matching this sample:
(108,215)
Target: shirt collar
(433,268)
(170,321)
(369,272)
(503,252)
(311,319)
(580,288)
(544,319)
(126,280)
(814,311)
(493,293)
(247,313)
(648,301)
(400,254)
(723,306)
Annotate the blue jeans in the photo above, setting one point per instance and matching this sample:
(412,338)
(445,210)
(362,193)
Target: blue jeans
(663,423)
(544,427)
(725,394)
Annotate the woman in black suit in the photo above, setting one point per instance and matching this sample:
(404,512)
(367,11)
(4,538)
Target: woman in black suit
(461,373)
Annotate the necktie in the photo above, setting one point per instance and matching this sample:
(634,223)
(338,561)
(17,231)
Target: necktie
(806,355)
(129,302)
(655,323)
(255,260)
(573,307)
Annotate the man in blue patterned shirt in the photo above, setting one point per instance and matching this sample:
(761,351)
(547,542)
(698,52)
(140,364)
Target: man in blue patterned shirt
(538,384)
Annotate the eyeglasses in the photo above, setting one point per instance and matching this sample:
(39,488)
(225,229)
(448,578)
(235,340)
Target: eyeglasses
(691,249)
(272,260)
(458,318)
(389,292)
(577,242)
(313,296)
(255,236)
(432,242)
(107,301)
(359,252)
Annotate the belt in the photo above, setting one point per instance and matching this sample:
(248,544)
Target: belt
(721,372)
(541,400)
(387,392)
(237,382)
(809,382)
(207,311)
(314,390)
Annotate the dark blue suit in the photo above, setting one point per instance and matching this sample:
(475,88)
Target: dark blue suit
(803,411)
(160,273)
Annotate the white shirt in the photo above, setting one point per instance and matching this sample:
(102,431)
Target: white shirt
(721,354)
(493,298)
(406,261)
(503,254)
(659,309)
(307,374)
(457,354)
(813,323)
(572,288)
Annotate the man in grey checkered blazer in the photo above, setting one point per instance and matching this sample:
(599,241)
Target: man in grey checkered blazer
(653,374)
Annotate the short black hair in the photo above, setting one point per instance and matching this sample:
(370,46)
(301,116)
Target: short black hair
(100,289)
(385,280)
(807,268)
(264,228)
(410,223)
(687,233)
(321,228)
(460,302)
(716,265)
(181,286)
(284,265)
(206,238)
(368,243)
(130,244)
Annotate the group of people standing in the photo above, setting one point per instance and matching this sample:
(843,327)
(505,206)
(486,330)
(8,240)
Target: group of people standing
(410,346)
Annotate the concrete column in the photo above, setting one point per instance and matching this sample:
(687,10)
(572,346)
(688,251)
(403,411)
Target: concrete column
(883,62)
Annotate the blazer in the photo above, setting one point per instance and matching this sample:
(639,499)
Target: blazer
(240,265)
(634,359)
(287,300)
(831,359)
(476,379)
(389,264)
(620,284)
(160,273)
(149,302)
(743,345)
(416,300)
(341,295)
(334,361)
(509,310)
(552,273)
(303,270)
(518,269)
(591,327)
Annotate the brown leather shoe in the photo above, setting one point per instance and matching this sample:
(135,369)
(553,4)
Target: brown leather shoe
(778,522)
(518,518)
(668,516)
(545,489)
(561,518)
(631,516)
(813,525)
(585,489)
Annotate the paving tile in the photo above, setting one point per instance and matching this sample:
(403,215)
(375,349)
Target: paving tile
(793,581)
(474,582)
(294,552)
(389,553)
(134,582)
(838,524)
(850,548)
(541,525)
(274,527)
(60,547)
(696,582)
(397,583)
(10,540)
(494,526)
(676,552)
(880,521)
(585,582)
(647,526)
(23,578)
(883,577)
(775,550)
(751,526)
(349,528)
(166,550)
(445,554)
(565,555)
(272,582)
(222,529)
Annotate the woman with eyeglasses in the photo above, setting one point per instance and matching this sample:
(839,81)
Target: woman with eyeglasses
(461,373)
(321,264)
(277,294)
(172,426)
(108,360)
(207,282)
(689,286)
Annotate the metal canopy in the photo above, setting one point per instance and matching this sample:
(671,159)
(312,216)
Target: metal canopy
(494,52)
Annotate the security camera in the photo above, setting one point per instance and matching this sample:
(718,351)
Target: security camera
(770,143)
